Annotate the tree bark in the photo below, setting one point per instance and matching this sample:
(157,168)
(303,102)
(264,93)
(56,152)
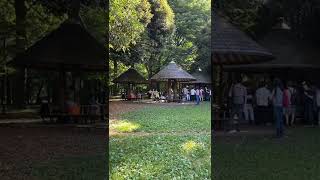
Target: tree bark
(19,77)
(115,74)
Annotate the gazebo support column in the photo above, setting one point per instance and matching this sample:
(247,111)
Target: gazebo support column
(62,82)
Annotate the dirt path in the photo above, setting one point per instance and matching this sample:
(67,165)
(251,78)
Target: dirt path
(117,108)
(23,147)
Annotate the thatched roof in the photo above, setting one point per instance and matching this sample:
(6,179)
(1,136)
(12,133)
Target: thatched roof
(70,46)
(172,71)
(232,46)
(291,55)
(130,76)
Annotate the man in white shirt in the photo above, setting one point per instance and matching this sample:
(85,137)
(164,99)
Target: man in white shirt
(238,93)
(185,93)
(263,97)
(193,94)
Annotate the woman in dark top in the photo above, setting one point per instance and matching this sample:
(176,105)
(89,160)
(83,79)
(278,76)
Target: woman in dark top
(308,95)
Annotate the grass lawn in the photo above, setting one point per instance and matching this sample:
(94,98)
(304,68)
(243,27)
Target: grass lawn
(164,142)
(296,157)
(80,168)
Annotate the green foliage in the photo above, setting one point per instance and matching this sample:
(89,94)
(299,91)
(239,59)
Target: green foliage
(95,21)
(40,22)
(244,14)
(191,16)
(126,22)
(193,21)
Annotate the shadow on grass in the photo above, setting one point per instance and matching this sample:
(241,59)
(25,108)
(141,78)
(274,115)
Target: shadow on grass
(80,168)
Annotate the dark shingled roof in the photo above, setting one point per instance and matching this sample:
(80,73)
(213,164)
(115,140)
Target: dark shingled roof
(232,46)
(70,46)
(172,71)
(291,55)
(201,78)
(130,76)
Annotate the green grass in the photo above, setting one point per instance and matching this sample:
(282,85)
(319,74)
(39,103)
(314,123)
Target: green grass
(164,119)
(159,156)
(125,126)
(295,157)
(171,149)
(80,168)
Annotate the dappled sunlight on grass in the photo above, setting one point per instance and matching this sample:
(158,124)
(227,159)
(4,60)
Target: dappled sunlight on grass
(124,126)
(191,146)
(158,156)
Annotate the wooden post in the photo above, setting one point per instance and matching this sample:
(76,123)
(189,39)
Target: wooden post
(62,82)
(175,89)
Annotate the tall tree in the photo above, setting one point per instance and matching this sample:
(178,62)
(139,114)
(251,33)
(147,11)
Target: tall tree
(159,30)
(19,89)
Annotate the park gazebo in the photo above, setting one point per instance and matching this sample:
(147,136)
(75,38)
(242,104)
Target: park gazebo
(295,59)
(230,46)
(69,48)
(173,74)
(131,77)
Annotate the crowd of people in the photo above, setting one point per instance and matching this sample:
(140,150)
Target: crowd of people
(197,94)
(192,94)
(281,99)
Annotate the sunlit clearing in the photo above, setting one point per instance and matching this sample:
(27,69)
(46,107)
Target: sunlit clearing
(125,126)
(191,146)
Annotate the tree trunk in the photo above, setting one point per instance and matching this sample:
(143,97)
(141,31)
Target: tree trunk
(19,85)
(115,74)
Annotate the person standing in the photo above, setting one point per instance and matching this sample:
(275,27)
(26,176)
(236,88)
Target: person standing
(193,94)
(286,103)
(238,94)
(185,93)
(277,97)
(188,94)
(263,96)
(198,96)
(201,94)
(248,107)
(293,102)
(308,103)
